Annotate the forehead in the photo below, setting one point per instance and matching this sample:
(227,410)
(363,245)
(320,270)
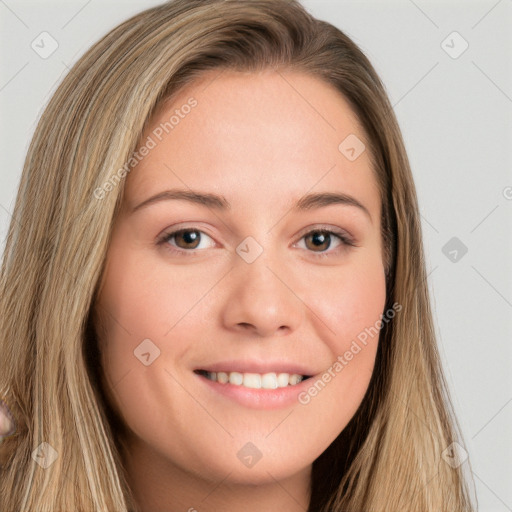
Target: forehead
(258,138)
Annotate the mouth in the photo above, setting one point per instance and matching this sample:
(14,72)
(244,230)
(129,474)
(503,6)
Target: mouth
(270,380)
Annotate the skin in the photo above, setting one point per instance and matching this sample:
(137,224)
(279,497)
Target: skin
(255,140)
(5,421)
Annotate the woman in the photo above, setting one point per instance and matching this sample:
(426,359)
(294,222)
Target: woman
(256,371)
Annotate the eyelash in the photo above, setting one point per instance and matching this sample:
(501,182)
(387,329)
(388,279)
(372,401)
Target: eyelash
(344,238)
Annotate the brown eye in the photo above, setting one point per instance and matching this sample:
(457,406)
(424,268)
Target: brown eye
(318,240)
(189,241)
(186,238)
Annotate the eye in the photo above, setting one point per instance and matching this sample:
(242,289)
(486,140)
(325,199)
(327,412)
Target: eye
(321,239)
(185,240)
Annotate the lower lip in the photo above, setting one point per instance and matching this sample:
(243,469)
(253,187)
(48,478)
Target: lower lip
(258,398)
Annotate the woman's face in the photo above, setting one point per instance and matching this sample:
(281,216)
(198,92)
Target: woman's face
(254,287)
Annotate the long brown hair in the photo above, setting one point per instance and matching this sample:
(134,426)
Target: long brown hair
(389,457)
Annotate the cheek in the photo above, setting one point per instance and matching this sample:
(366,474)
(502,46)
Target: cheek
(350,304)
(349,300)
(144,298)
(146,307)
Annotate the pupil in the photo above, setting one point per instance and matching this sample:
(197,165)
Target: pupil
(320,238)
(190,236)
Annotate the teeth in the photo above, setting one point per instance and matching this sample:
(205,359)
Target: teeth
(222,377)
(295,379)
(252,380)
(236,378)
(256,380)
(269,381)
(283,380)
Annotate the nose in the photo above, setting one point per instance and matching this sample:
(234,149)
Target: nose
(261,299)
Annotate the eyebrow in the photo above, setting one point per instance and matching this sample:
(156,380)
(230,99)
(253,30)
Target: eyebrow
(220,203)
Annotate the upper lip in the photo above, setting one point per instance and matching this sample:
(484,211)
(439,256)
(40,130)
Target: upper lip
(255,366)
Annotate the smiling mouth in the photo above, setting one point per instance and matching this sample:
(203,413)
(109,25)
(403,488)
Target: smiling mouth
(269,380)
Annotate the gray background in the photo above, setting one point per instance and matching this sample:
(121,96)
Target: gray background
(455,115)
